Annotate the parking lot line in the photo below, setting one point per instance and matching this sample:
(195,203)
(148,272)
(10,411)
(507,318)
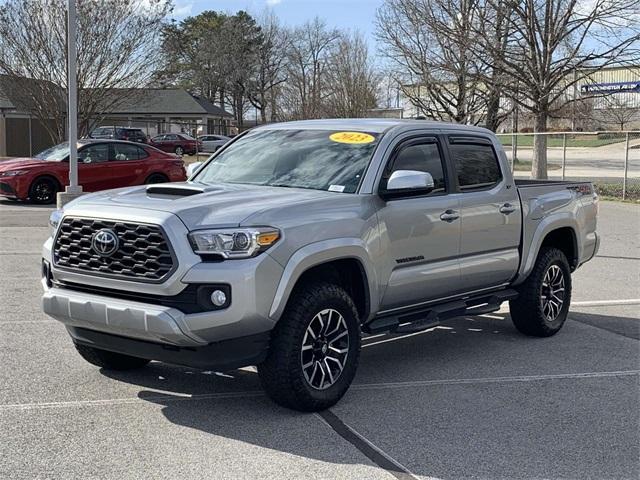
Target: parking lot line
(362,386)
(522,378)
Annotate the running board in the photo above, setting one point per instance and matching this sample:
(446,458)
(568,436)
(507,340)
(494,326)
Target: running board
(416,320)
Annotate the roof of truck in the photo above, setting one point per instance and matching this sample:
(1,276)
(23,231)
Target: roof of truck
(375,125)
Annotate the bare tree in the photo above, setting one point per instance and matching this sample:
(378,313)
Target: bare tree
(307,65)
(496,31)
(118,47)
(271,67)
(618,110)
(242,39)
(432,43)
(353,81)
(555,43)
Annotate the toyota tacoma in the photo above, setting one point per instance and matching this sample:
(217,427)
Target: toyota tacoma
(295,239)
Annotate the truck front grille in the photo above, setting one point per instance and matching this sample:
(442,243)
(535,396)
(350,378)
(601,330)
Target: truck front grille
(138,252)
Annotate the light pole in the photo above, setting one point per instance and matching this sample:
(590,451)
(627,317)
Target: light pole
(73,190)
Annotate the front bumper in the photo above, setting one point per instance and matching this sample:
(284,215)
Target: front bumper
(224,355)
(136,322)
(120,317)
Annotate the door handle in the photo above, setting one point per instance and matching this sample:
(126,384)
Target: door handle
(449,216)
(507,208)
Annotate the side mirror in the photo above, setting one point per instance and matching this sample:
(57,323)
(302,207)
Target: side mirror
(409,181)
(193,168)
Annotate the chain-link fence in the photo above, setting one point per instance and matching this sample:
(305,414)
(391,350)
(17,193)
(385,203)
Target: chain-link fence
(609,159)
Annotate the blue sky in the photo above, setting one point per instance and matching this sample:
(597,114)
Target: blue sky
(347,14)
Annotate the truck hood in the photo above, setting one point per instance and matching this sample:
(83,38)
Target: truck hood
(201,205)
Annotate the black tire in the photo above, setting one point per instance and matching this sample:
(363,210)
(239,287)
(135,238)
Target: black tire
(282,374)
(156,178)
(179,151)
(43,191)
(530,312)
(110,360)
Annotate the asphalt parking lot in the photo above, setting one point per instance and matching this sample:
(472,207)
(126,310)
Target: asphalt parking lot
(470,399)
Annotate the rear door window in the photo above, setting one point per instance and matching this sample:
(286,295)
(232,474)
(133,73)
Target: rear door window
(123,152)
(476,164)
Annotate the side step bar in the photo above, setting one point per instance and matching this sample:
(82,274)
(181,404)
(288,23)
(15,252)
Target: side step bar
(416,320)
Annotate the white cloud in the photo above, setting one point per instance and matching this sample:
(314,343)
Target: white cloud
(182,10)
(271,3)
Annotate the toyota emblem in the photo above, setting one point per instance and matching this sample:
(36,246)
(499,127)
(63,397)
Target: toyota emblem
(105,242)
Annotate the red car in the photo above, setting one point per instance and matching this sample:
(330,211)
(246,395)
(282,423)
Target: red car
(178,143)
(102,164)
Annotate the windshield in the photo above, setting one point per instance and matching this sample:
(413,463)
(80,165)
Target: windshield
(315,159)
(54,154)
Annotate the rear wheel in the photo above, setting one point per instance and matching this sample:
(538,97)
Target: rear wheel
(43,190)
(543,304)
(110,360)
(156,178)
(179,151)
(314,349)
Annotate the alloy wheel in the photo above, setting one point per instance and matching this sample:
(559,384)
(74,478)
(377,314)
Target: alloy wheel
(553,293)
(44,192)
(325,348)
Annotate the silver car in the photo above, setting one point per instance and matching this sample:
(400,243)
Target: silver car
(211,143)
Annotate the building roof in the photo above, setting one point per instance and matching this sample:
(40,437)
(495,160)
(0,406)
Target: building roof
(139,101)
(23,99)
(161,101)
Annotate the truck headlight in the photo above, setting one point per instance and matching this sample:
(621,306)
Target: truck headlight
(54,221)
(233,243)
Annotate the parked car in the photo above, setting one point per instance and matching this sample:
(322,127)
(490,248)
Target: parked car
(178,143)
(119,133)
(102,164)
(281,250)
(211,143)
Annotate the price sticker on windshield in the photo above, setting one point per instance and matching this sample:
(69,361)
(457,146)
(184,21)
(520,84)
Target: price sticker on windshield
(351,137)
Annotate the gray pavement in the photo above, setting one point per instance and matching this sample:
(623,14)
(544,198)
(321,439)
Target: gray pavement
(469,399)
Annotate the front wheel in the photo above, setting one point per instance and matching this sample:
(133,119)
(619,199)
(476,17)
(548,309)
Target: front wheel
(179,151)
(314,349)
(543,304)
(43,191)
(110,360)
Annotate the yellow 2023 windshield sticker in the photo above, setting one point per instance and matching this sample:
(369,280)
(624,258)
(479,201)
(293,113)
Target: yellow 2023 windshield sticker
(352,137)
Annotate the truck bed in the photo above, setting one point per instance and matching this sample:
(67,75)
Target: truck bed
(524,183)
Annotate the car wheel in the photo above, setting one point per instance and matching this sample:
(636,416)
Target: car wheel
(110,360)
(314,349)
(544,298)
(179,151)
(43,191)
(156,178)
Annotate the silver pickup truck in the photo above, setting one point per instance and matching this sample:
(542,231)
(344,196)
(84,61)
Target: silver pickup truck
(295,239)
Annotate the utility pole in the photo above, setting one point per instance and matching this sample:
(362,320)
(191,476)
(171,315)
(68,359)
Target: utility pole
(73,190)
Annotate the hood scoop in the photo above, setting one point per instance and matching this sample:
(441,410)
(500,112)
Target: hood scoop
(174,190)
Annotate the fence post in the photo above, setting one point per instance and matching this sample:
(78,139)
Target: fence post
(514,152)
(564,154)
(626,168)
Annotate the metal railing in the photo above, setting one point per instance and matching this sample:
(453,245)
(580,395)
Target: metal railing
(610,159)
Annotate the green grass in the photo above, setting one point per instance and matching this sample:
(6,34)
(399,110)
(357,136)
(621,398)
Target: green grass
(573,141)
(613,191)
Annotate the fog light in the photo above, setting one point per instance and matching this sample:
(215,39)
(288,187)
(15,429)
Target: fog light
(218,298)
